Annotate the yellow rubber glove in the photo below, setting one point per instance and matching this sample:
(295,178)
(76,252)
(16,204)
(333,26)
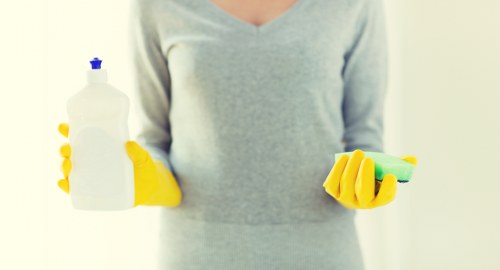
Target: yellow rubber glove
(154,185)
(352,182)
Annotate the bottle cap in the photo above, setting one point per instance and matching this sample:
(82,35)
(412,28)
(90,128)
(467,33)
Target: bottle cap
(96,63)
(96,74)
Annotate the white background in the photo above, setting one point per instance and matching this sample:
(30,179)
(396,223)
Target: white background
(443,107)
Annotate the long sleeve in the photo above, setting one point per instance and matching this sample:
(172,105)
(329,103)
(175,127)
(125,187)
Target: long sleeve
(152,83)
(365,81)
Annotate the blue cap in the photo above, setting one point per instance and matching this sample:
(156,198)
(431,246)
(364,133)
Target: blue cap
(96,63)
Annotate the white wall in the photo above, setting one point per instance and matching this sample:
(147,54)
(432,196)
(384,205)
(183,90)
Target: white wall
(451,85)
(21,104)
(446,81)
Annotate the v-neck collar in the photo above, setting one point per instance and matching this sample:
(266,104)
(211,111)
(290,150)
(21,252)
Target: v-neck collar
(247,26)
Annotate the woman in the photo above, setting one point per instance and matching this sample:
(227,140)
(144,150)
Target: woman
(246,104)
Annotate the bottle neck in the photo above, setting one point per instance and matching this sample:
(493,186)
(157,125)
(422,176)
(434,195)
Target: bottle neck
(97,76)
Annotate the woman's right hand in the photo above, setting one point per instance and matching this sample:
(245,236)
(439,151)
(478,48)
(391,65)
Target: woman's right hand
(154,184)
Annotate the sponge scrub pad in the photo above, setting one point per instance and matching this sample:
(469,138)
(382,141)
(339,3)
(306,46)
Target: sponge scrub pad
(387,164)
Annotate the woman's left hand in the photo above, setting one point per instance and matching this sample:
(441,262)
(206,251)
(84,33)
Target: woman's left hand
(352,183)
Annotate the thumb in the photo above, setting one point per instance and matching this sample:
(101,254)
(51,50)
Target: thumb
(410,159)
(387,190)
(137,154)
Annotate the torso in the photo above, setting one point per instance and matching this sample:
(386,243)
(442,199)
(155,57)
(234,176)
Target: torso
(255,118)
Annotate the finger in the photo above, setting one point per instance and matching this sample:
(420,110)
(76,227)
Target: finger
(410,159)
(365,183)
(66,167)
(332,183)
(137,154)
(64,129)
(65,150)
(387,191)
(349,176)
(64,185)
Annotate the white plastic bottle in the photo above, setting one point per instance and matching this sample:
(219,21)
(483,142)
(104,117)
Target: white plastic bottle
(102,174)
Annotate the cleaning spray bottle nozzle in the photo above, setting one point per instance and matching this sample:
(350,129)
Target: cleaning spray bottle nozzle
(96,63)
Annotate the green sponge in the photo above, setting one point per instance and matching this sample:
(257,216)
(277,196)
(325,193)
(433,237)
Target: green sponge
(387,164)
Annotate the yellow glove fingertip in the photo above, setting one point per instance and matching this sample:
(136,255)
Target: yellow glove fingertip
(137,154)
(359,152)
(63,129)
(410,159)
(66,167)
(131,145)
(131,148)
(387,191)
(64,185)
(65,150)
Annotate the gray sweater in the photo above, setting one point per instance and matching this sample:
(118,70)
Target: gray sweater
(249,118)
